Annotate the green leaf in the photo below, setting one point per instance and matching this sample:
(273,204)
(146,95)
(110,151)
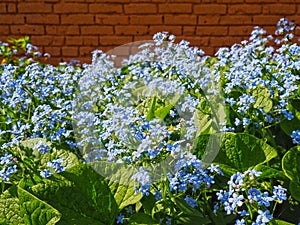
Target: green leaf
(70,159)
(162,112)
(189,215)
(10,212)
(36,211)
(151,111)
(263,101)
(142,219)
(269,172)
(280,222)
(239,151)
(203,121)
(185,208)
(123,189)
(148,203)
(294,188)
(191,220)
(79,192)
(288,126)
(291,164)
(291,168)
(119,179)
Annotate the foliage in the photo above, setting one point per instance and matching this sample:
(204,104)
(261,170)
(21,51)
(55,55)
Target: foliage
(171,137)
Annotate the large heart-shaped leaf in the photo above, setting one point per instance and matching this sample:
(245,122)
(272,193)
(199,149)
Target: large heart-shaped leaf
(10,212)
(119,178)
(291,168)
(238,151)
(35,210)
(79,193)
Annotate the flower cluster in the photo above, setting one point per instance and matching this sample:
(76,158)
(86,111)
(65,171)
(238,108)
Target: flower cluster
(8,166)
(260,80)
(55,166)
(244,198)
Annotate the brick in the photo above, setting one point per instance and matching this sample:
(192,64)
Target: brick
(103,1)
(86,51)
(260,1)
(189,30)
(50,1)
(93,29)
(91,41)
(53,60)
(4,29)
(114,40)
(80,1)
(53,51)
(209,50)
(232,20)
(140,8)
(265,20)
(205,9)
(131,30)
(27,29)
(9,1)
(123,50)
(180,19)
(195,41)
(279,9)
(47,40)
(70,51)
(112,19)
(179,1)
(208,20)
(12,19)
(71,60)
(146,19)
(62,29)
(212,30)
(176,30)
(74,40)
(77,19)
(2,8)
(224,41)
(240,30)
(71,8)
(42,19)
(105,8)
(175,8)
(143,39)
(288,1)
(225,1)
(34,7)
(11,8)
(244,9)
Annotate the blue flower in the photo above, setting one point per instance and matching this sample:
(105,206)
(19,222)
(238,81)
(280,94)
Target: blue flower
(6,159)
(254,194)
(46,173)
(41,147)
(263,217)
(296,137)
(57,165)
(240,222)
(236,200)
(158,195)
(265,199)
(191,202)
(120,218)
(279,193)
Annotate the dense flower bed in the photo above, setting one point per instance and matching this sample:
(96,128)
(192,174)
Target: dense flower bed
(171,137)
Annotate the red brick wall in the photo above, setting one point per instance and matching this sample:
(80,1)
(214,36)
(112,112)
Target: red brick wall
(71,29)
